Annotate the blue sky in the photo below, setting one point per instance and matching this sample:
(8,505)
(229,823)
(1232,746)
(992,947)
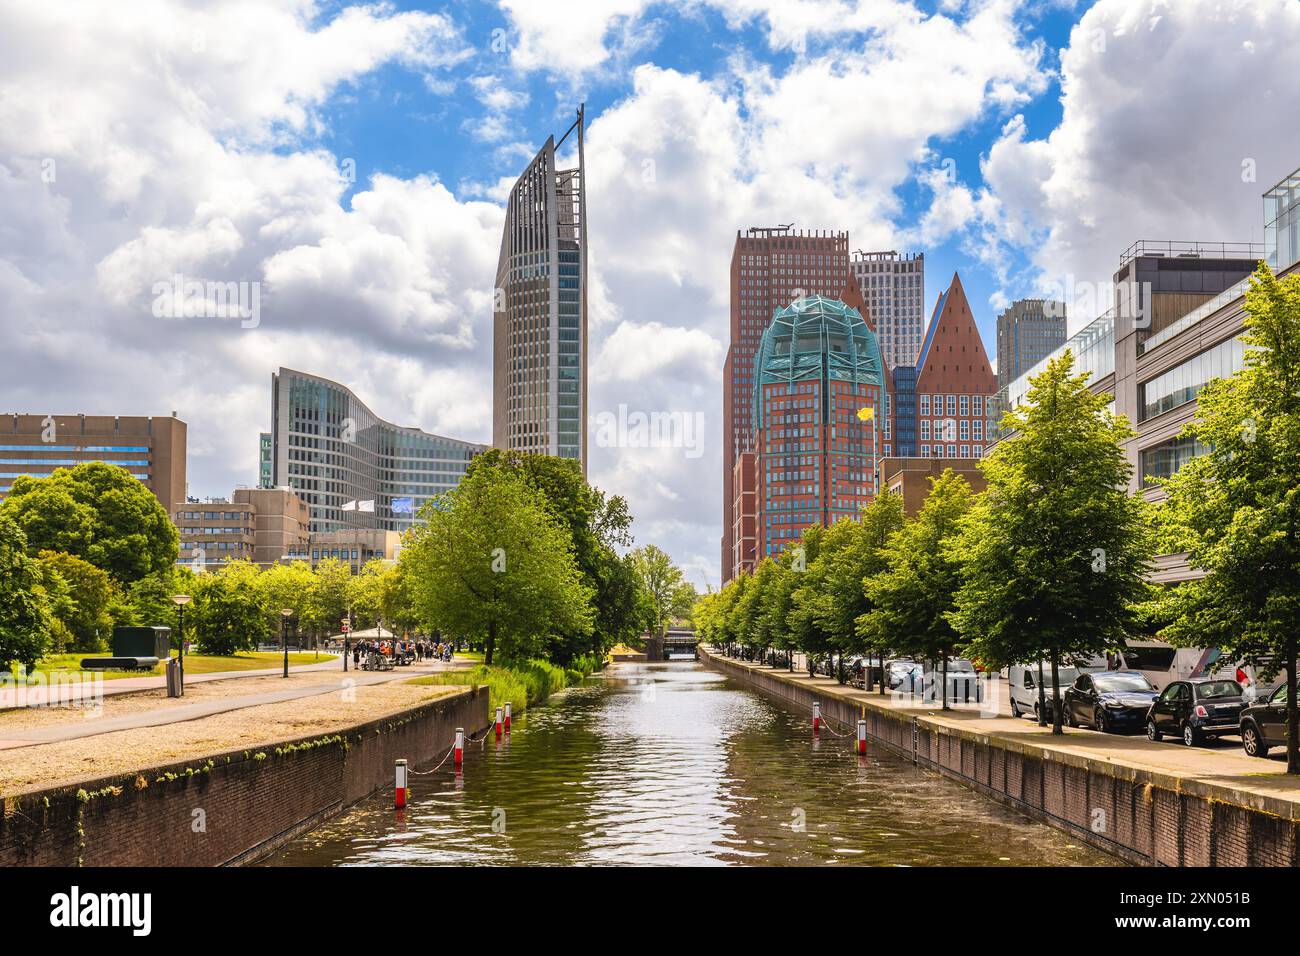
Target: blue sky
(390,122)
(143,140)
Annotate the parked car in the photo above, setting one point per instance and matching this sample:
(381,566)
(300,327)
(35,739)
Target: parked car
(903,672)
(1196,710)
(1022,684)
(1110,701)
(1263,725)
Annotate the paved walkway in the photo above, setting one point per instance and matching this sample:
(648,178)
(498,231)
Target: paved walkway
(73,692)
(73,730)
(1221,762)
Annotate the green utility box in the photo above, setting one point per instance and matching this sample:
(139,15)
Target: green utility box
(142,642)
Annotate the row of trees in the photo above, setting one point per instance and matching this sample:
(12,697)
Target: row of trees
(1050,561)
(524,558)
(80,551)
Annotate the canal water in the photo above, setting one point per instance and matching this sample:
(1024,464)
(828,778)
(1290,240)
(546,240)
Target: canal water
(674,764)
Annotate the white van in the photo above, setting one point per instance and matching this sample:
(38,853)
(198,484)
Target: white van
(1162,664)
(1022,684)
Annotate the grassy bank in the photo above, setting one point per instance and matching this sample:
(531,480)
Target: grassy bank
(194,663)
(528,682)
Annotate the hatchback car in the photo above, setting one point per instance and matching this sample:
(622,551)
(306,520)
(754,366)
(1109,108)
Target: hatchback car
(1263,725)
(1196,710)
(1110,701)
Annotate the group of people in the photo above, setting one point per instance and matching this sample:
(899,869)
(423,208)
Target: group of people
(417,650)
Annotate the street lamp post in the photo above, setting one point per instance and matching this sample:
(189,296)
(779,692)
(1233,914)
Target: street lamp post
(180,600)
(285,613)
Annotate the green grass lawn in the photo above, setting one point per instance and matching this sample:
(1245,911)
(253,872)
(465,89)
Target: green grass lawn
(194,663)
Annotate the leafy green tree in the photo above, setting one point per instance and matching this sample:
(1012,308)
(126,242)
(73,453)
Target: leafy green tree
(328,599)
(1236,508)
(809,604)
(366,593)
(291,586)
(1056,548)
(397,598)
(597,525)
(663,587)
(914,590)
(24,604)
(229,613)
(97,512)
(86,596)
(490,562)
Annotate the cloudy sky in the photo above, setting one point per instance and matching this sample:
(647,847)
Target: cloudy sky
(351,159)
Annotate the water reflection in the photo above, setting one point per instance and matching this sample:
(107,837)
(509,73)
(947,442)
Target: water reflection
(656,764)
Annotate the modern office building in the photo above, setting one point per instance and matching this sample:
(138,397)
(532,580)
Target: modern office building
(356,546)
(539,317)
(771,267)
(354,469)
(264,466)
(261,525)
(1175,326)
(150,449)
(1028,331)
(893,287)
(819,394)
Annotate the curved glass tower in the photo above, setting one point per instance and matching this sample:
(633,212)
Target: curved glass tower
(819,392)
(354,469)
(539,337)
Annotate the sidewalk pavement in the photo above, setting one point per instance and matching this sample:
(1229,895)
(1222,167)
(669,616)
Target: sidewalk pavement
(74,692)
(1220,762)
(185,712)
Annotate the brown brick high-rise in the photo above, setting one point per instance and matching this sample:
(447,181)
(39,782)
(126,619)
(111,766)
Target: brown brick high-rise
(770,268)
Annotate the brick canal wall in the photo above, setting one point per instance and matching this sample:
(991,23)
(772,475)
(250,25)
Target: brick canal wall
(232,807)
(1144,817)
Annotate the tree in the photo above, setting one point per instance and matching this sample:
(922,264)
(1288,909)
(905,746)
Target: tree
(229,613)
(365,593)
(97,512)
(1056,549)
(863,556)
(24,609)
(291,586)
(663,587)
(597,526)
(86,596)
(491,563)
(913,596)
(397,598)
(1236,507)
(327,600)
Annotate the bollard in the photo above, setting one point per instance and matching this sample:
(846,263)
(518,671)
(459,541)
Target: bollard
(399,790)
(817,716)
(507,716)
(460,747)
(498,722)
(862,735)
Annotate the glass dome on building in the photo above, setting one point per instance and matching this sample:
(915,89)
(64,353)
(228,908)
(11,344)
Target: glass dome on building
(816,339)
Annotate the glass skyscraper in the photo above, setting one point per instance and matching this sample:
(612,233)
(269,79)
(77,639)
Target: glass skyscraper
(335,452)
(539,312)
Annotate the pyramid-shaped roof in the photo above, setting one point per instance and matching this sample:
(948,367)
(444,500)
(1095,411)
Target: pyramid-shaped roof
(953,349)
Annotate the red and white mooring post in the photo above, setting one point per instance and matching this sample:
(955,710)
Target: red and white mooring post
(507,716)
(817,716)
(400,789)
(459,747)
(862,735)
(500,719)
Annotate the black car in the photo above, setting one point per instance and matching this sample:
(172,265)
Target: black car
(1263,725)
(1111,701)
(1196,710)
